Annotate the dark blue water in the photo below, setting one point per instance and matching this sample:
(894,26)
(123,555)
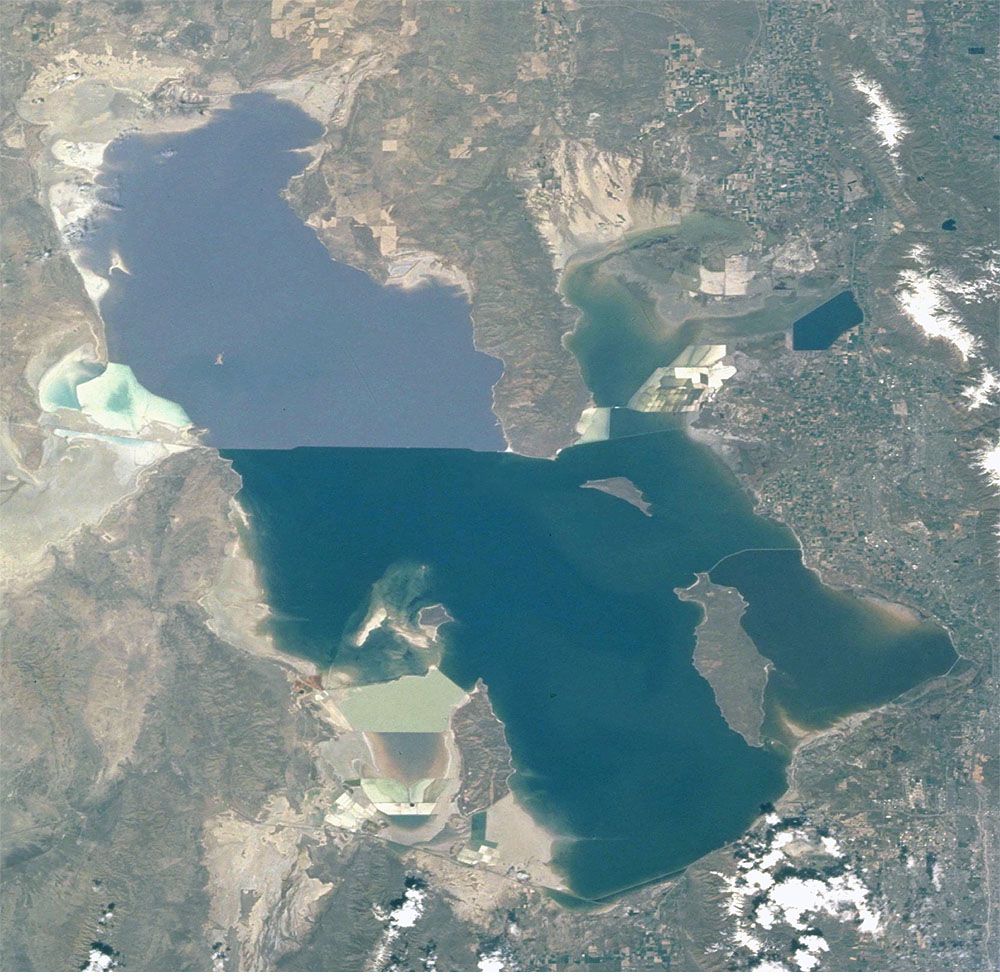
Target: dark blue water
(564,604)
(313,352)
(819,328)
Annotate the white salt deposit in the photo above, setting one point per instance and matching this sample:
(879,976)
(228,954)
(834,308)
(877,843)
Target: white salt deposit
(73,204)
(131,455)
(85,156)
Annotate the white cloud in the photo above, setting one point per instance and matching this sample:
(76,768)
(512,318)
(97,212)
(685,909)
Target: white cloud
(806,955)
(99,961)
(492,962)
(770,966)
(842,896)
(768,895)
(405,915)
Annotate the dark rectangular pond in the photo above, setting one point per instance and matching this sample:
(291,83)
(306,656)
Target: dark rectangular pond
(819,328)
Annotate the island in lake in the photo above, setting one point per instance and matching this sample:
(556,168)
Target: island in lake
(727,658)
(622,488)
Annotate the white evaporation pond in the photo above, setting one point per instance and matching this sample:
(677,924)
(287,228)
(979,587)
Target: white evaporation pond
(115,400)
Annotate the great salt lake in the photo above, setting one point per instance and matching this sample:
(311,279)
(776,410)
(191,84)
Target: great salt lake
(563,603)
(562,597)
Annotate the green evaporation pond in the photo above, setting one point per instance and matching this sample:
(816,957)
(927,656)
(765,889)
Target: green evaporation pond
(407,704)
(115,400)
(109,395)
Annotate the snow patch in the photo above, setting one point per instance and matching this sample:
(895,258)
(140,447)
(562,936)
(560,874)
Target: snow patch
(922,295)
(743,938)
(984,391)
(983,288)
(886,121)
(988,463)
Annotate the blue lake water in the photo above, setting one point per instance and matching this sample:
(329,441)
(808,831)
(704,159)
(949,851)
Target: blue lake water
(563,600)
(313,352)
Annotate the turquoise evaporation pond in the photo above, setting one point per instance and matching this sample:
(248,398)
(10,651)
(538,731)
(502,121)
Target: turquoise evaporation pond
(563,600)
(233,308)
